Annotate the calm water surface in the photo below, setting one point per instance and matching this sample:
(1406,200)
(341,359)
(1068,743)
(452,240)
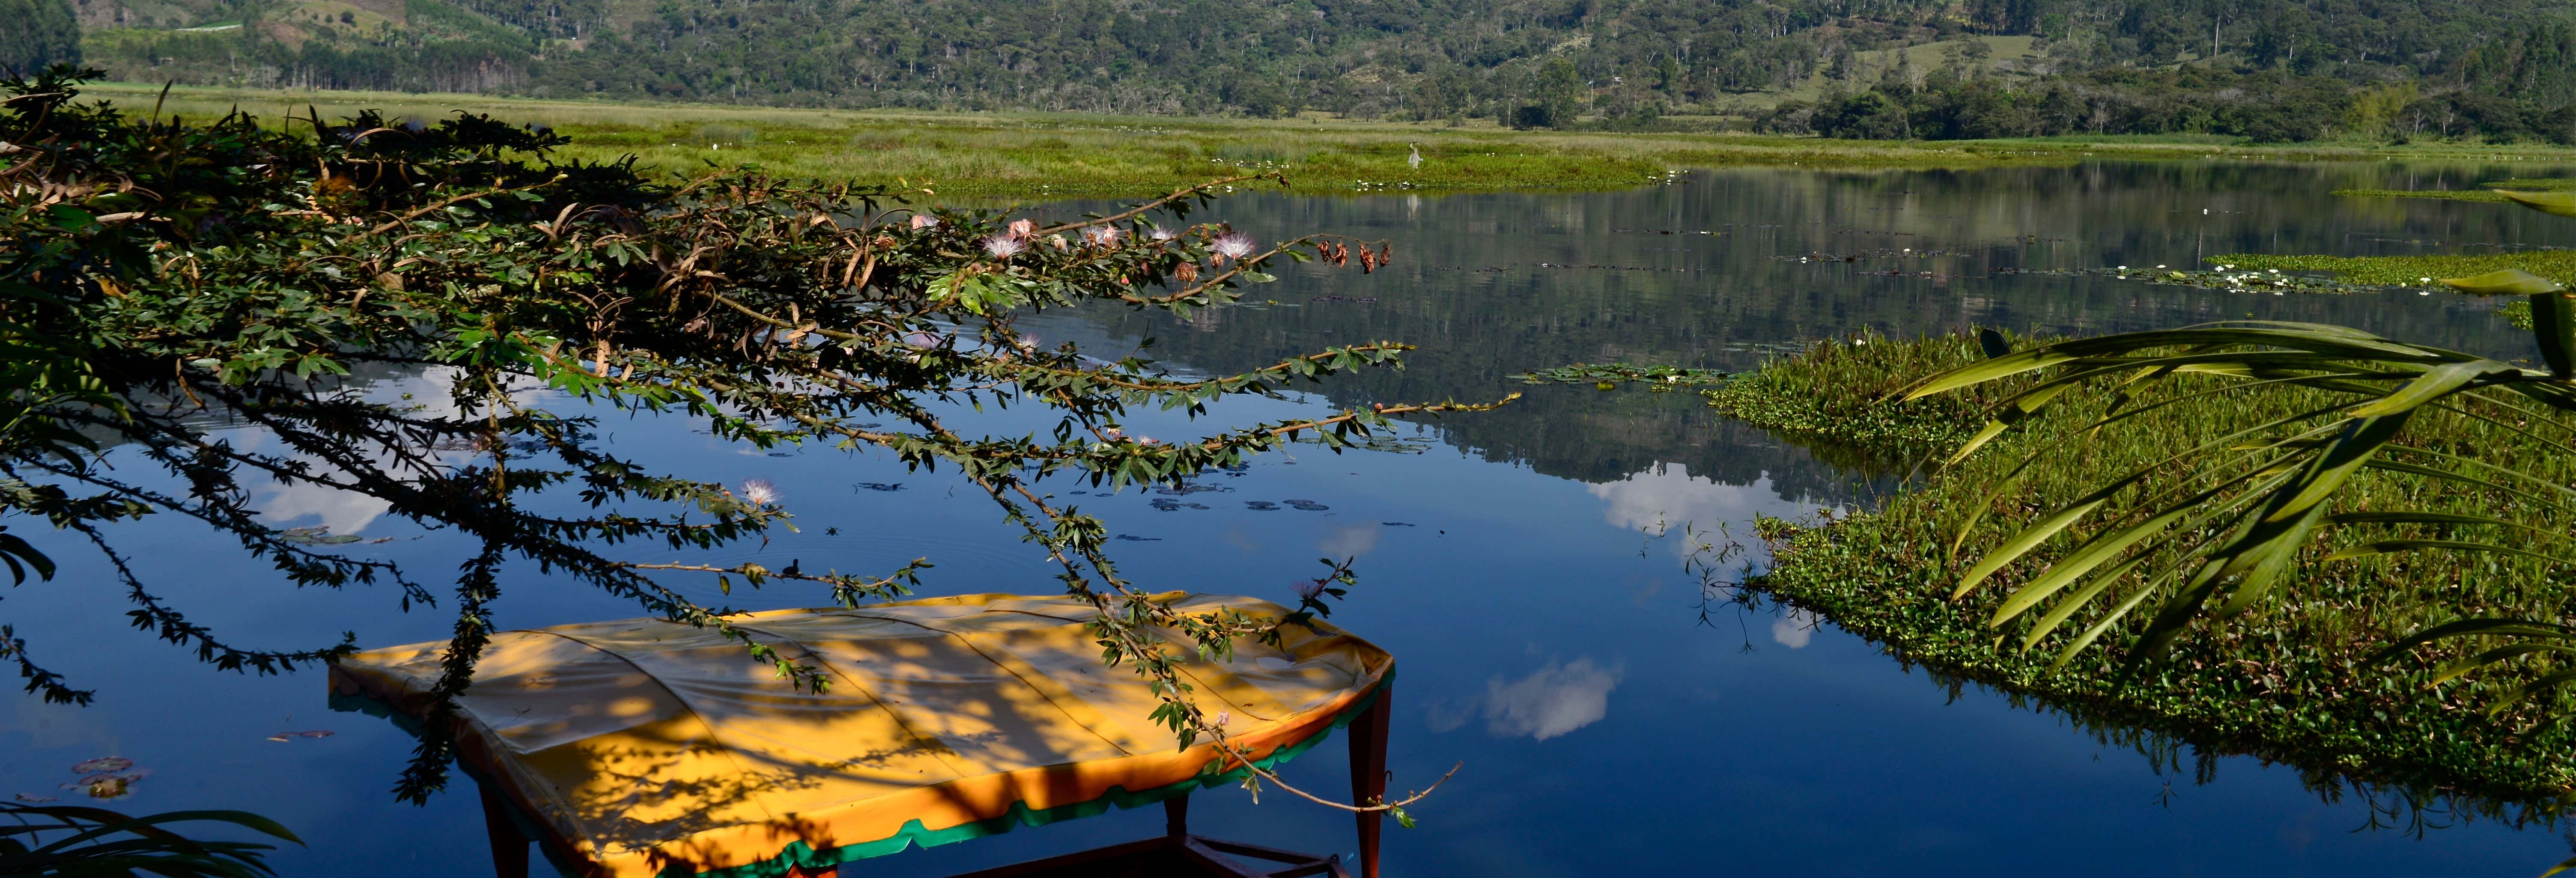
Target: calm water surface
(1610,721)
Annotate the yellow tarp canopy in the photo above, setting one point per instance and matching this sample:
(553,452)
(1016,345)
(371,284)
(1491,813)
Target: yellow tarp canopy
(644,744)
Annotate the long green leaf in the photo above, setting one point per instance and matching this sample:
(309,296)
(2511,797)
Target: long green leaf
(1999,557)
(2103,547)
(2474,627)
(2550,202)
(2553,326)
(2435,383)
(2386,547)
(2503,282)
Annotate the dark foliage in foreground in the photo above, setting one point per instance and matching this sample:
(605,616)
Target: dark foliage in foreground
(175,287)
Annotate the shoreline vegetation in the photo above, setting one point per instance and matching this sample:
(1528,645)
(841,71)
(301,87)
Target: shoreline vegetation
(1067,155)
(2288,683)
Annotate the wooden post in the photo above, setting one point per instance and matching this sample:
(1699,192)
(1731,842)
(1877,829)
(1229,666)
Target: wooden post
(1176,816)
(1368,774)
(509,847)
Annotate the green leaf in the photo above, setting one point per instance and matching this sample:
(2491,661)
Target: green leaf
(2561,203)
(2384,547)
(2501,282)
(2553,326)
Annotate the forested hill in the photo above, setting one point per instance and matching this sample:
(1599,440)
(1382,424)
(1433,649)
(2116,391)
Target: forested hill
(2161,64)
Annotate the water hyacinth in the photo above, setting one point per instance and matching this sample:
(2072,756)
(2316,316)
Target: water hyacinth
(760,492)
(1005,246)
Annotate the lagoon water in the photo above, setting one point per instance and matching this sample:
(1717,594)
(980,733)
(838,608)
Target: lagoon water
(1524,565)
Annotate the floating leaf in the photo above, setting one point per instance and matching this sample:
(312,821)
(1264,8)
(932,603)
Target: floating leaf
(103,763)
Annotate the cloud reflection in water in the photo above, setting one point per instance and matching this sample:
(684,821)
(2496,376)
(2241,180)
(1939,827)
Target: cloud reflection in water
(1550,702)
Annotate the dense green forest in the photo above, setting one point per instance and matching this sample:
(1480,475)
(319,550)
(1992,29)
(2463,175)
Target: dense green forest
(2263,69)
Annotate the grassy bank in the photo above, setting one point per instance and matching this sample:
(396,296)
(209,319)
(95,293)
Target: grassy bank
(2286,682)
(1038,155)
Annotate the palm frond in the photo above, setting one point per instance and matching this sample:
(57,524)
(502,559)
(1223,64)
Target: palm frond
(2226,519)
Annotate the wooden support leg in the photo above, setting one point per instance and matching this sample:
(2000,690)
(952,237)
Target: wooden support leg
(509,847)
(1368,774)
(1176,816)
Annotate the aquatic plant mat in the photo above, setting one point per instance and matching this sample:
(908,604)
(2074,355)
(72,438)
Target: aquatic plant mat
(2286,682)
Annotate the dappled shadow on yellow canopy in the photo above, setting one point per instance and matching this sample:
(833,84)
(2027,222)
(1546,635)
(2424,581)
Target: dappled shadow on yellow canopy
(644,747)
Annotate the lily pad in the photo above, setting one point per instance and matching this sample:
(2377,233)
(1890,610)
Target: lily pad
(103,763)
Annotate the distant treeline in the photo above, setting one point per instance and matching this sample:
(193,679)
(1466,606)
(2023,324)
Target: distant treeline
(2268,107)
(1529,62)
(35,34)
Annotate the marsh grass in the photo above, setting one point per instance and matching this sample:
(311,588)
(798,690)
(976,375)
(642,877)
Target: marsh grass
(1043,155)
(2287,681)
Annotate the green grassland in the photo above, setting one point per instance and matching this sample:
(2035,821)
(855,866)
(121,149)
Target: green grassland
(2288,682)
(1041,155)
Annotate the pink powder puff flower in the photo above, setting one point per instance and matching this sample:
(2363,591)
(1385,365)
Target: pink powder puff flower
(1232,246)
(1005,246)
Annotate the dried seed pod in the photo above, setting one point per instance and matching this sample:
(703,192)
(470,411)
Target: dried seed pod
(1187,273)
